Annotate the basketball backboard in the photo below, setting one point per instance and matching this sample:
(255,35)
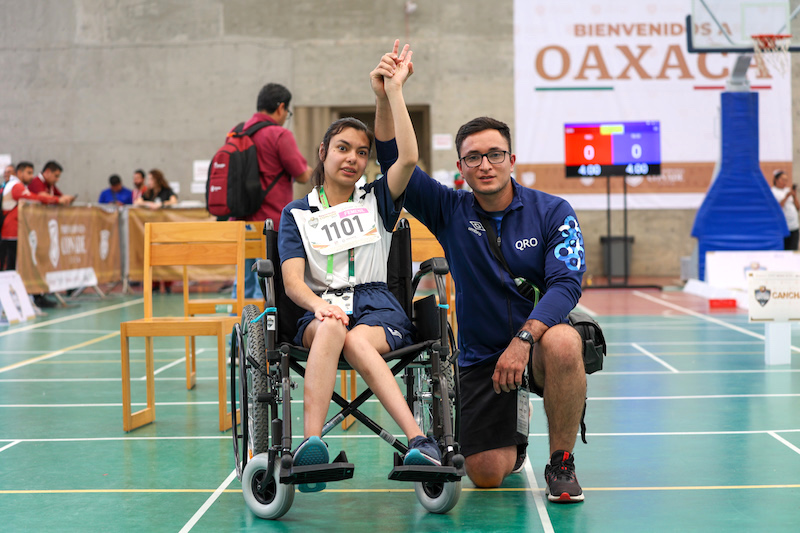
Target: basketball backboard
(728,25)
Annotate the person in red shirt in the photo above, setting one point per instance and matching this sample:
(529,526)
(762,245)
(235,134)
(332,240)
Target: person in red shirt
(46,181)
(15,191)
(279,158)
(139,188)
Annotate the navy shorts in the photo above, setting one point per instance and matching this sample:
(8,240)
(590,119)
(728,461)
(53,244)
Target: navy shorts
(373,305)
(488,420)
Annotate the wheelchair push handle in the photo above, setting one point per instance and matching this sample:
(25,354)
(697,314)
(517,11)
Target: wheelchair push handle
(264,268)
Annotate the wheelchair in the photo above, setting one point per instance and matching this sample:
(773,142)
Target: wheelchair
(263,358)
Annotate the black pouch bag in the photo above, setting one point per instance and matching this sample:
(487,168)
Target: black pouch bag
(594,343)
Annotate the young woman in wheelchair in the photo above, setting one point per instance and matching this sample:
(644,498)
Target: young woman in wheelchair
(334,246)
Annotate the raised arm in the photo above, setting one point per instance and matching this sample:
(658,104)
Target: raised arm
(392,118)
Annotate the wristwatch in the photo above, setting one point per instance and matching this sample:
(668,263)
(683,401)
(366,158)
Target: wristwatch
(525,336)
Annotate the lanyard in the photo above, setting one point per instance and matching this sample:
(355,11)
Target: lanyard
(351,253)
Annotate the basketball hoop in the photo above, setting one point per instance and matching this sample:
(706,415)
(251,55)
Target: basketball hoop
(772,49)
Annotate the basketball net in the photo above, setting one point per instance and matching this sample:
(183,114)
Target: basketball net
(772,52)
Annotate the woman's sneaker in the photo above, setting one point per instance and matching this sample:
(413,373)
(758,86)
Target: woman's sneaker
(562,484)
(312,451)
(423,451)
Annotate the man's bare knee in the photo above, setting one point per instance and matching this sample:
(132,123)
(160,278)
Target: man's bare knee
(488,469)
(561,347)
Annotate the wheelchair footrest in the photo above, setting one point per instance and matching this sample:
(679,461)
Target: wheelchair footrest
(338,470)
(438,474)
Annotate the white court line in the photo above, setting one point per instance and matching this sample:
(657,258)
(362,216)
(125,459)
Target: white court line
(142,350)
(170,365)
(656,359)
(685,343)
(7,446)
(56,353)
(211,499)
(79,380)
(680,433)
(135,404)
(541,508)
(771,434)
(582,308)
(92,331)
(702,316)
(594,376)
(373,400)
(697,397)
(72,317)
(372,436)
(661,372)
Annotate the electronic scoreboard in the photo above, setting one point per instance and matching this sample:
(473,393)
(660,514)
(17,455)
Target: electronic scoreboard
(612,149)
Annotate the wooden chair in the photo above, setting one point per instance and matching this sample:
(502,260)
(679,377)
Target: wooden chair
(254,248)
(182,244)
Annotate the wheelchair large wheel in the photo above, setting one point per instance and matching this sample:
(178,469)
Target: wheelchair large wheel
(435,497)
(257,379)
(275,499)
(438,497)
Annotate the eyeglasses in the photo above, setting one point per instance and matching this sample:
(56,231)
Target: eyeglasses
(289,111)
(495,157)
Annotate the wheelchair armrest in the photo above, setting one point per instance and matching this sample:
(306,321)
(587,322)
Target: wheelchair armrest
(264,268)
(438,265)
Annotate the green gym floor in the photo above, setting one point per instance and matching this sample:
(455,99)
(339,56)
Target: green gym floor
(688,431)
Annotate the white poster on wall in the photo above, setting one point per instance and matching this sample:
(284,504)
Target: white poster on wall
(200,170)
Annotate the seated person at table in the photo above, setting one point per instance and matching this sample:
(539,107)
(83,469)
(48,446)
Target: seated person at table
(158,193)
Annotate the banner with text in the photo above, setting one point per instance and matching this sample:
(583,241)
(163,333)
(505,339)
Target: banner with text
(137,218)
(62,248)
(592,61)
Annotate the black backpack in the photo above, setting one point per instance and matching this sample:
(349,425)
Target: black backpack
(234,188)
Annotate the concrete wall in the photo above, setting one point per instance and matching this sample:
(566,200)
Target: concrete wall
(107,86)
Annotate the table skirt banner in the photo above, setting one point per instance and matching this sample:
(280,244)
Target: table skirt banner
(63,247)
(138,217)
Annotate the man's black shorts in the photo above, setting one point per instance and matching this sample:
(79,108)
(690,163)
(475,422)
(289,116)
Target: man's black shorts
(488,420)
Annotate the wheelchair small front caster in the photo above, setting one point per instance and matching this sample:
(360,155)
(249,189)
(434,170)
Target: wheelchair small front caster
(264,494)
(438,497)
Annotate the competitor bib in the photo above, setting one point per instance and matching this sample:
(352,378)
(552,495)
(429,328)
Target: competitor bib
(341,227)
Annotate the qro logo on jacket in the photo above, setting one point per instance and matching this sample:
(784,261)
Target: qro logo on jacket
(526,243)
(215,188)
(55,249)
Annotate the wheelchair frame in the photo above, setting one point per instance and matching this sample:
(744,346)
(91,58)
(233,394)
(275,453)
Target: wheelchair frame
(263,448)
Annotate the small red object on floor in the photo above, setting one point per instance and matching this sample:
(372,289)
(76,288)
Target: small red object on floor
(716,303)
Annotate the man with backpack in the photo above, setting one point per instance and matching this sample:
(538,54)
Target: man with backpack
(279,162)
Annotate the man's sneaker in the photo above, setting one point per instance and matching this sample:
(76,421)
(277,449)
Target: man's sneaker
(522,454)
(423,451)
(312,451)
(562,484)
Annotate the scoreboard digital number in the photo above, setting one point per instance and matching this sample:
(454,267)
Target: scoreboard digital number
(612,149)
